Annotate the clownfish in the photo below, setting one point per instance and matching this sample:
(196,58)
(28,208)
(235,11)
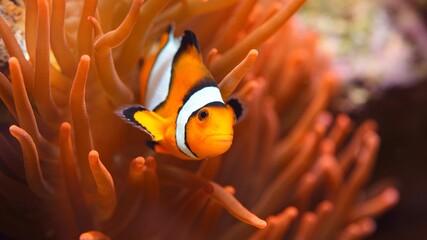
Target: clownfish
(183,110)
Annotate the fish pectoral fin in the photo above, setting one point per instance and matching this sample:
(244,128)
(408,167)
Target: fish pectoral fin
(157,147)
(152,123)
(160,149)
(146,120)
(237,108)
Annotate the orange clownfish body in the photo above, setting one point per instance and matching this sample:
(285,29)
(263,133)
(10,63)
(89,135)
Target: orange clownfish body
(183,110)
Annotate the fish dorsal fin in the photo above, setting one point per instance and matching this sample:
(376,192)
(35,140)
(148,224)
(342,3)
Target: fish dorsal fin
(144,119)
(189,44)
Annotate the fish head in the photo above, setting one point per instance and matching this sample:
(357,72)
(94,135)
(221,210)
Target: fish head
(210,130)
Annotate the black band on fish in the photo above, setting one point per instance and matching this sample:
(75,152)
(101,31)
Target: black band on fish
(128,113)
(212,104)
(206,82)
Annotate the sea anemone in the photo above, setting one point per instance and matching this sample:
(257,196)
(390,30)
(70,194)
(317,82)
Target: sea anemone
(79,170)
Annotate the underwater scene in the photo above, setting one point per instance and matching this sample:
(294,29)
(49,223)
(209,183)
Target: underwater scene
(213,119)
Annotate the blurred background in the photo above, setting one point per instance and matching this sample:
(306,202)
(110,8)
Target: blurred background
(380,48)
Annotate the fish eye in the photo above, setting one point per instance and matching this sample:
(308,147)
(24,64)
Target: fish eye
(203,114)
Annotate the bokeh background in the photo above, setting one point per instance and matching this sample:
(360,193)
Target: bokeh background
(381,49)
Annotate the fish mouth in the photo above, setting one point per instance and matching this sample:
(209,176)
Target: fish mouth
(219,138)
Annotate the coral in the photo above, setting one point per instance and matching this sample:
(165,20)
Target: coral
(77,170)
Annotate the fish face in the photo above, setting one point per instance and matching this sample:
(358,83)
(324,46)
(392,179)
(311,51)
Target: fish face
(210,131)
